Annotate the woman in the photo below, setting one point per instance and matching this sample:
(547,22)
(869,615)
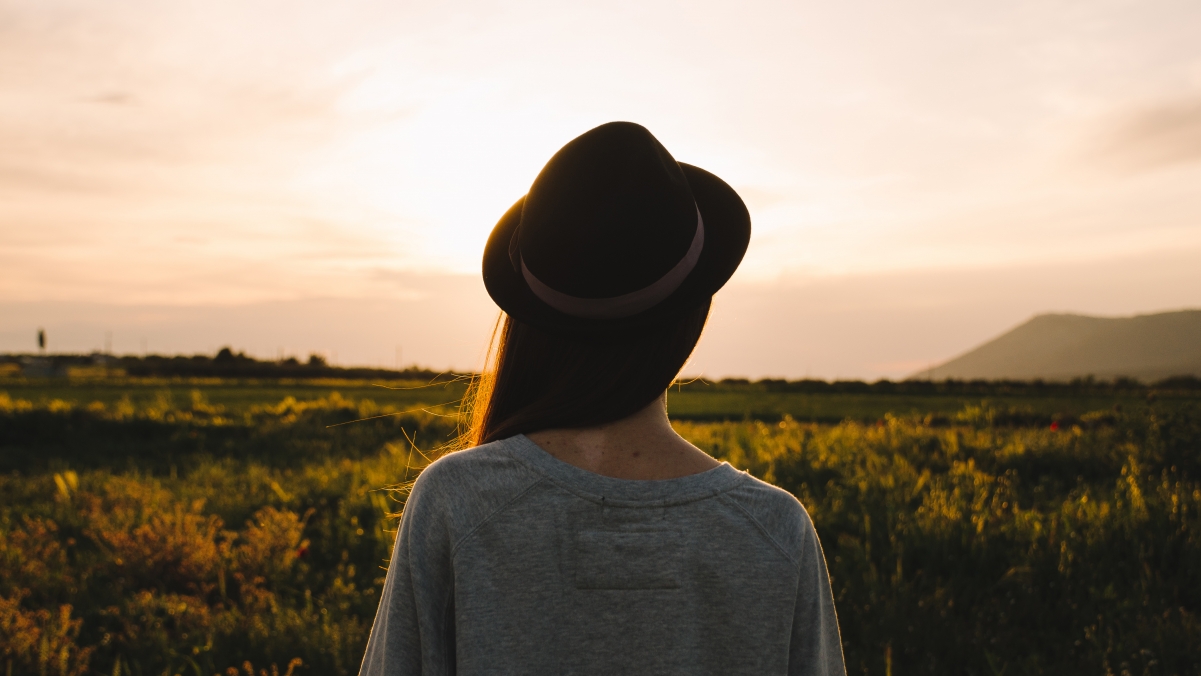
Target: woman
(581,534)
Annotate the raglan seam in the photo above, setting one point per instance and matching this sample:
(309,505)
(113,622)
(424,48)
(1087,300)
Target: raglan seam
(762,529)
(455,549)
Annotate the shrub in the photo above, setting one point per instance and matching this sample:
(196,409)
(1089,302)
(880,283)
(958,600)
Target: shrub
(960,545)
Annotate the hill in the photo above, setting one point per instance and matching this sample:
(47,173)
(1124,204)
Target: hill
(1067,346)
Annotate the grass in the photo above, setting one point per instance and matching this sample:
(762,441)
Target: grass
(195,527)
(701,400)
(976,549)
(722,405)
(218,538)
(233,396)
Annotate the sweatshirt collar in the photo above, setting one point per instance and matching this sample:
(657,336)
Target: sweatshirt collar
(624,492)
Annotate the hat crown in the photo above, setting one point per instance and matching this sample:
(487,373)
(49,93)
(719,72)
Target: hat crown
(610,214)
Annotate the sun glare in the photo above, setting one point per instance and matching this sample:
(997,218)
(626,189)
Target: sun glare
(234,153)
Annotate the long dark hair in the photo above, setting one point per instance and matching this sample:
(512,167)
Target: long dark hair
(538,380)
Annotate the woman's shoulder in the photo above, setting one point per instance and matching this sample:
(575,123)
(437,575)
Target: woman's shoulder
(468,485)
(778,513)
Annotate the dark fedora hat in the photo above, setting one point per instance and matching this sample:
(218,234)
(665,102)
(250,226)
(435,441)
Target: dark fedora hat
(614,233)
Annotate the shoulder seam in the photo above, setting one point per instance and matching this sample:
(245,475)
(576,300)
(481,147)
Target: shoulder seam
(455,549)
(780,548)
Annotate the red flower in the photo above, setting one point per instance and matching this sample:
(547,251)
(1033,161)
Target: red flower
(1054,425)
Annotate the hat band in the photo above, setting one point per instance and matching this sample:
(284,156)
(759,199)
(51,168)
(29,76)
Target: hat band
(626,305)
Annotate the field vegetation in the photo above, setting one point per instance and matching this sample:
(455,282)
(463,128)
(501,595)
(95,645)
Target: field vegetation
(168,526)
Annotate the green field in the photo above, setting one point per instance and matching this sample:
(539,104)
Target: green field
(191,526)
(235,396)
(831,408)
(699,401)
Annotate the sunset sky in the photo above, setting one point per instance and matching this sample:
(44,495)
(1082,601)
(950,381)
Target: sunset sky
(285,177)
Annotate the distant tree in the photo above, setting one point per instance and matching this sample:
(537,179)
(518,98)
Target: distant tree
(317,361)
(42,339)
(225,355)
(290,361)
(1126,383)
(1180,383)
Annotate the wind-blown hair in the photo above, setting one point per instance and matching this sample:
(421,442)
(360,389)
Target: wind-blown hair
(536,380)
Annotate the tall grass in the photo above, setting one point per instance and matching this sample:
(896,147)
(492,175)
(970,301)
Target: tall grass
(972,549)
(261,537)
(178,537)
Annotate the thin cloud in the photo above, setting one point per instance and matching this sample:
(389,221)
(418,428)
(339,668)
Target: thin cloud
(1165,134)
(220,151)
(112,98)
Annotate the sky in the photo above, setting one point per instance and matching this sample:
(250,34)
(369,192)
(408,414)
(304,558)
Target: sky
(311,176)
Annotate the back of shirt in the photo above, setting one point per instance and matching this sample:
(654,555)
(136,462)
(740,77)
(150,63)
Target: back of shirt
(509,561)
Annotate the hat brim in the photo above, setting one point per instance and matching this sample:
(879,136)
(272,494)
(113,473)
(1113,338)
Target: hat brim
(727,233)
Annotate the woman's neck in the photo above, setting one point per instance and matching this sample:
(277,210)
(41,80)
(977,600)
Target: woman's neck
(640,446)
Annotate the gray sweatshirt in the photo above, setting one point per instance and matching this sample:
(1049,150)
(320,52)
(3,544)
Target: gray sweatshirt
(510,561)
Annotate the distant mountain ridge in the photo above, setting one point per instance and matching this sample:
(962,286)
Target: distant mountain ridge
(1066,346)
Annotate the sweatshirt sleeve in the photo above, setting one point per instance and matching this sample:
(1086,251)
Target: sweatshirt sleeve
(413,631)
(816,648)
